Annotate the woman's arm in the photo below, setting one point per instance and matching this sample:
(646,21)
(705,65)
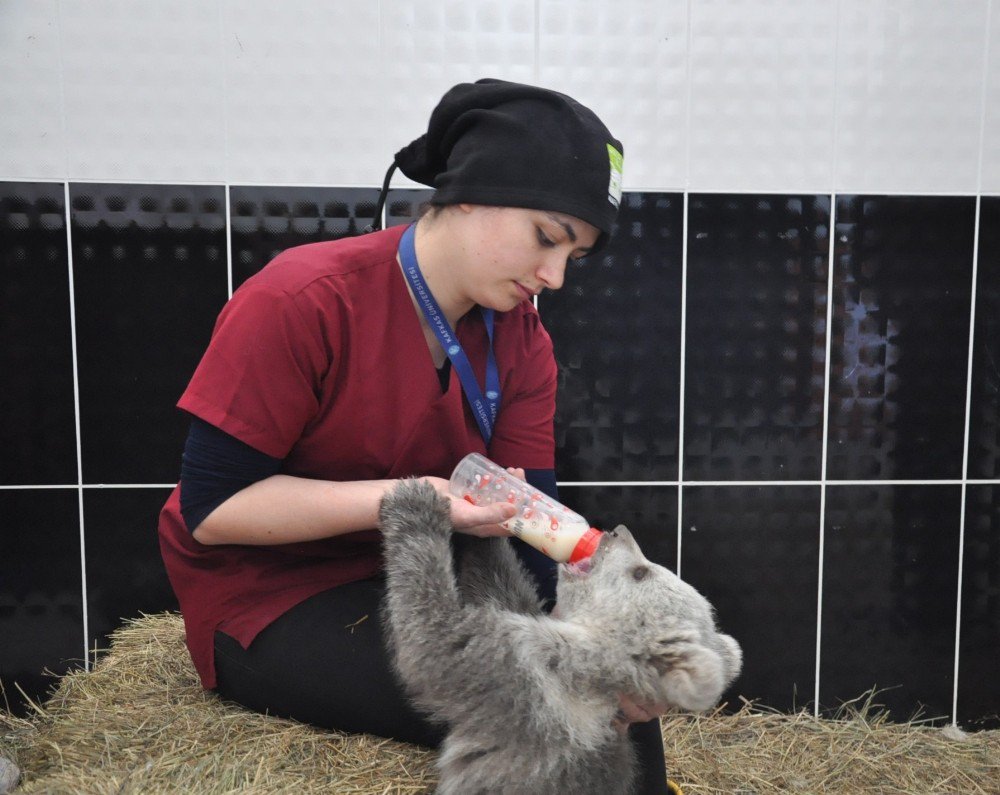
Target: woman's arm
(283,509)
(234,494)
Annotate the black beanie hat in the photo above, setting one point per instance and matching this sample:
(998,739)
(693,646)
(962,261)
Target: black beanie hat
(513,145)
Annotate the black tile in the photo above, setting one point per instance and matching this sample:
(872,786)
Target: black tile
(890,583)
(149,265)
(984,417)
(899,352)
(37,424)
(41,590)
(978,684)
(405,205)
(125,573)
(754,553)
(755,344)
(649,512)
(267,220)
(615,326)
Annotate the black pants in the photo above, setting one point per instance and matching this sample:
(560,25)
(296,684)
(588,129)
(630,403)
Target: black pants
(324,662)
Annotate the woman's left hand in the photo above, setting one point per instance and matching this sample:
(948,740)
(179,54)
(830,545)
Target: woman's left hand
(476,520)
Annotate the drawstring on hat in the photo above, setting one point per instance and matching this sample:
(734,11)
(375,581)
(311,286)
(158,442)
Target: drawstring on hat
(376,223)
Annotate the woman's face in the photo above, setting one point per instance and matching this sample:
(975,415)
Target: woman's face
(512,253)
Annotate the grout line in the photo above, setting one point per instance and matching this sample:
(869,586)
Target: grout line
(203,183)
(76,421)
(688,93)
(965,452)
(835,143)
(772,483)
(380,41)
(681,406)
(63,118)
(586,484)
(824,482)
(42,180)
(705,191)
(828,346)
(984,81)
(85,486)
(229,245)
(380,82)
(536,70)
(223,67)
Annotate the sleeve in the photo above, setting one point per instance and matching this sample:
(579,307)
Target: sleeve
(214,467)
(544,480)
(524,435)
(262,372)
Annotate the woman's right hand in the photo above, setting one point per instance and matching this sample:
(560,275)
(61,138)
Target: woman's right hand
(482,521)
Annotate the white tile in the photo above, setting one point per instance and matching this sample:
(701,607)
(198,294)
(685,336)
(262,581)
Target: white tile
(143,88)
(626,61)
(991,136)
(429,47)
(909,78)
(762,95)
(31,125)
(304,93)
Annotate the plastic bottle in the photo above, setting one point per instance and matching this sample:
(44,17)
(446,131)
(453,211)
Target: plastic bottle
(540,521)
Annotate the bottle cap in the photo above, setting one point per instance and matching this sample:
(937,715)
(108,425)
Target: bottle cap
(586,546)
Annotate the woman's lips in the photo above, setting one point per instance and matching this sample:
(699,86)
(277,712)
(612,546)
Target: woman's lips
(528,295)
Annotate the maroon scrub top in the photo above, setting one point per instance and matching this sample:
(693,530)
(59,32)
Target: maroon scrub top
(320,360)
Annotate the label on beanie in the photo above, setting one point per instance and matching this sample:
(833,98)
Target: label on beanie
(615,184)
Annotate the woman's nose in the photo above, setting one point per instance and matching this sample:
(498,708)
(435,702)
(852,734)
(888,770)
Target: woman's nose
(552,272)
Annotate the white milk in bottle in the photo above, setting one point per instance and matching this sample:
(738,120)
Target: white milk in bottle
(540,521)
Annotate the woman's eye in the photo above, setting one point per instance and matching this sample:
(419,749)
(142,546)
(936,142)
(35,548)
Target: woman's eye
(545,240)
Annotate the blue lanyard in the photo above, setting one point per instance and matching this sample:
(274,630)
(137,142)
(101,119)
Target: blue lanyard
(483,409)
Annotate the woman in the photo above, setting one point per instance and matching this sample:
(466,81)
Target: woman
(343,366)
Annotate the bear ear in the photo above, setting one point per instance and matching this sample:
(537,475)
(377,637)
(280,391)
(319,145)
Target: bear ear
(672,649)
(691,675)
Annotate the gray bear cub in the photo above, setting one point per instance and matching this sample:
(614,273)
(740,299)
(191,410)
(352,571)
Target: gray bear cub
(529,698)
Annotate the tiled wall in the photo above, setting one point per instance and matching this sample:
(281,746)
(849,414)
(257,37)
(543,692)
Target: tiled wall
(767,376)
(844,568)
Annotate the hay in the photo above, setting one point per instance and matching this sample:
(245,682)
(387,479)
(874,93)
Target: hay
(140,723)
(759,751)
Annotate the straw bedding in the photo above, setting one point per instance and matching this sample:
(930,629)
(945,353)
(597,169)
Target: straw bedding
(140,723)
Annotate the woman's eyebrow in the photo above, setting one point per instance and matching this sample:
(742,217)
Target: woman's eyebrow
(570,232)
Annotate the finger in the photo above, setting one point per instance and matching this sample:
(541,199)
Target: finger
(483,530)
(481,520)
(496,513)
(634,713)
(466,511)
(517,472)
(489,531)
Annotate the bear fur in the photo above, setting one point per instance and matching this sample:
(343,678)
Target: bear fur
(529,698)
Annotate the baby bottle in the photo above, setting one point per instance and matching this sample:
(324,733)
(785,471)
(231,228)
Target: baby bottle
(540,521)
